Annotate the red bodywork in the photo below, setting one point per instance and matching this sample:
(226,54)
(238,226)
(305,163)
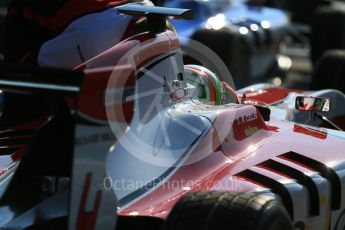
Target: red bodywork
(225,169)
(240,161)
(268,96)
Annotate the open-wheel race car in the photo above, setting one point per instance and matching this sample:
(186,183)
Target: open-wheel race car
(133,139)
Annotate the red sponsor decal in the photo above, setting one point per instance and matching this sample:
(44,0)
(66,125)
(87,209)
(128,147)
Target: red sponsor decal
(309,132)
(245,126)
(87,220)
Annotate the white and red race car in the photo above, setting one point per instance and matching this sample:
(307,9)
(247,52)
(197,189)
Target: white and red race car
(134,139)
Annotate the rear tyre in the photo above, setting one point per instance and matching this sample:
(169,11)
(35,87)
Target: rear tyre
(232,48)
(302,11)
(328,31)
(228,210)
(330,71)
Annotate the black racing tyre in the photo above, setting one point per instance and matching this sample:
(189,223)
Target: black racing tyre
(328,31)
(228,211)
(232,48)
(330,71)
(301,10)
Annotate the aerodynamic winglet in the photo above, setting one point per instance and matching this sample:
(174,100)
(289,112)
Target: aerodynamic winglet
(35,79)
(163,12)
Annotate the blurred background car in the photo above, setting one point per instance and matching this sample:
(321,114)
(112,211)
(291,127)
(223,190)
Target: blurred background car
(321,24)
(299,44)
(246,35)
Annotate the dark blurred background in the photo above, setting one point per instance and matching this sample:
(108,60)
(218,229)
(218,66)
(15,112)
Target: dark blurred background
(318,57)
(257,44)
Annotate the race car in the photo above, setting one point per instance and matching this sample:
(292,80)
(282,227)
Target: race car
(248,37)
(133,138)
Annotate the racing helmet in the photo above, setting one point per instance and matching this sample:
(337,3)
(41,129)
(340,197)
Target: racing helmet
(208,88)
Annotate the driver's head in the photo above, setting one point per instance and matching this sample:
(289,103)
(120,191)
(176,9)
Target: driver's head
(209,89)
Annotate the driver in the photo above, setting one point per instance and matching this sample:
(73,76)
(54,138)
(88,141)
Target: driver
(63,33)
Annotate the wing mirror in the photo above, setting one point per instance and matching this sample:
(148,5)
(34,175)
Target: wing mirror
(313,104)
